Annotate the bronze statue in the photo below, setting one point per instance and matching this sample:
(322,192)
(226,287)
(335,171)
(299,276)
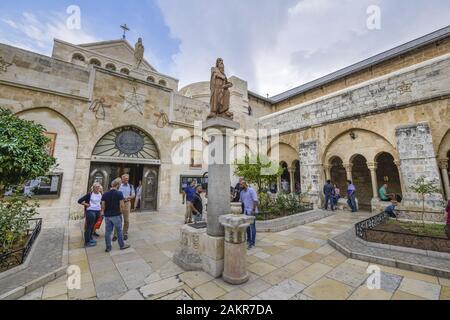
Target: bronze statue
(138,53)
(220,95)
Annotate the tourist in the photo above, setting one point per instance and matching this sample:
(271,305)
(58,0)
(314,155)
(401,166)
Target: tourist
(128,193)
(196,204)
(351,196)
(328,191)
(250,200)
(99,222)
(137,203)
(92,212)
(113,204)
(390,209)
(188,194)
(337,195)
(447,218)
(237,193)
(383,193)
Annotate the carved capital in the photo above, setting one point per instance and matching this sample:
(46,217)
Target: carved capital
(443,163)
(372,166)
(348,166)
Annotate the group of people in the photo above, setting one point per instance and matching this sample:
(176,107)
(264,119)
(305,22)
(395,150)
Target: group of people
(242,192)
(114,208)
(333,194)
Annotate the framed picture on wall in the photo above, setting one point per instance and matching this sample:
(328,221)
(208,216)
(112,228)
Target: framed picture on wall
(45,187)
(50,148)
(186,180)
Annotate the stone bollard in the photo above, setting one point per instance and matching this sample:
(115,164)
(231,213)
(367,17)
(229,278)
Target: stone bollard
(235,251)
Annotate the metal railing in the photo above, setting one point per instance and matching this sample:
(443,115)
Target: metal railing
(17,257)
(372,222)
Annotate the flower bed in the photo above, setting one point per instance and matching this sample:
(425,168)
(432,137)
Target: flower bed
(381,229)
(19,252)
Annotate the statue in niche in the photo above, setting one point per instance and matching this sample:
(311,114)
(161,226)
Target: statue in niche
(138,53)
(220,95)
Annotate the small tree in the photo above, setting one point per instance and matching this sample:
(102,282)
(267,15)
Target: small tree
(424,187)
(22,151)
(258,170)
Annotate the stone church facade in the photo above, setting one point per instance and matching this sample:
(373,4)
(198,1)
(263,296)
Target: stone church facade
(385,119)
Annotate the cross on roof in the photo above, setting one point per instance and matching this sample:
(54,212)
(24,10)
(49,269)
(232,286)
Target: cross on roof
(125,29)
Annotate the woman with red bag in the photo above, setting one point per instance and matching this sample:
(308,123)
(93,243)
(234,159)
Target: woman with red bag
(92,209)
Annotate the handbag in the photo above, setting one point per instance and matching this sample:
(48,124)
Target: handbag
(98,224)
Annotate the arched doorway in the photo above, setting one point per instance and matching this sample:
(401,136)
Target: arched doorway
(285,185)
(128,150)
(362,181)
(338,174)
(387,172)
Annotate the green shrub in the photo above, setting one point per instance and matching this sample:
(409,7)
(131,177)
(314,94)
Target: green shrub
(280,205)
(15,211)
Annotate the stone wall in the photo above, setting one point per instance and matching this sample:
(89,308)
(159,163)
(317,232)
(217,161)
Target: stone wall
(411,85)
(417,158)
(311,177)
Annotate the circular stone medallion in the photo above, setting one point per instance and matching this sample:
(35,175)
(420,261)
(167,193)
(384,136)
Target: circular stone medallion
(129,142)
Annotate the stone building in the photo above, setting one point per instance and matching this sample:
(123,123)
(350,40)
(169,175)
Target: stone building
(385,119)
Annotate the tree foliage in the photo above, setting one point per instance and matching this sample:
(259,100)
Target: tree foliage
(22,150)
(258,170)
(424,188)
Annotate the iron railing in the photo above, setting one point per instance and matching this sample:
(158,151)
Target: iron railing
(368,224)
(17,257)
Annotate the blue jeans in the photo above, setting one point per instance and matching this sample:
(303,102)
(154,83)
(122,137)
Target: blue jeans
(110,224)
(329,198)
(352,202)
(251,234)
(91,218)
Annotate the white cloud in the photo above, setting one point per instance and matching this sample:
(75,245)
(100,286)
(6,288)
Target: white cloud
(36,33)
(277,45)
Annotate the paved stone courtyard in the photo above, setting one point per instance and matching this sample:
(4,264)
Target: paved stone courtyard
(295,264)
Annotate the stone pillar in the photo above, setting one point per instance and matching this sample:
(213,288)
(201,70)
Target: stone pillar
(443,165)
(235,252)
(400,176)
(312,173)
(327,169)
(219,131)
(292,178)
(279,185)
(348,169)
(373,174)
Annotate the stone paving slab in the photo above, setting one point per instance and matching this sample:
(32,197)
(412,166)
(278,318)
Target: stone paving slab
(46,257)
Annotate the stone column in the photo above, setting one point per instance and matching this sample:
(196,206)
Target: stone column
(400,176)
(279,185)
(327,169)
(443,165)
(235,252)
(292,178)
(219,131)
(348,168)
(373,174)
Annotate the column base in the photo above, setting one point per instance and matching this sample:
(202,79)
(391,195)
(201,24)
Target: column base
(213,255)
(236,281)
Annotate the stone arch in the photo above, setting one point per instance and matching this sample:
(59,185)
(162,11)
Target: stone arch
(78,57)
(286,153)
(137,144)
(387,172)
(39,109)
(95,62)
(361,178)
(151,79)
(367,143)
(444,161)
(162,83)
(125,71)
(338,173)
(297,176)
(56,211)
(111,66)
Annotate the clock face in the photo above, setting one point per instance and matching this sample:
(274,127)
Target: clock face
(127,142)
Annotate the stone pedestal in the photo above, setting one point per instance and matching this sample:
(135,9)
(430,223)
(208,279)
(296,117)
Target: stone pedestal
(189,254)
(212,255)
(235,251)
(219,131)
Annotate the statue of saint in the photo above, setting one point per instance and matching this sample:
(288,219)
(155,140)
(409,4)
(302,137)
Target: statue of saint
(138,53)
(220,95)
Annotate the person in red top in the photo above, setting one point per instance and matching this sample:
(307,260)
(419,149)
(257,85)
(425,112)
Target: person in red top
(447,217)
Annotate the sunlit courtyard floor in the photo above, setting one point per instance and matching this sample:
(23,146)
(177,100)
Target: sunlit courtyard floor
(293,264)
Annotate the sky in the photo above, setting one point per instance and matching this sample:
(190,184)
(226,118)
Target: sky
(274,45)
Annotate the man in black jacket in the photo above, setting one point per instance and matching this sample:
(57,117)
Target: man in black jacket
(328,191)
